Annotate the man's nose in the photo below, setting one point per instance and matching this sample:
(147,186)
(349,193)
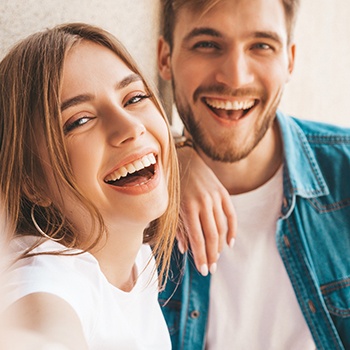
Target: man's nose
(235,69)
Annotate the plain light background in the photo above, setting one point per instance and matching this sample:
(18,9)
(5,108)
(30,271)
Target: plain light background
(133,22)
(320,86)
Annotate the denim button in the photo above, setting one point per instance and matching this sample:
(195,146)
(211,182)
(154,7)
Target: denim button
(195,314)
(285,202)
(286,241)
(312,306)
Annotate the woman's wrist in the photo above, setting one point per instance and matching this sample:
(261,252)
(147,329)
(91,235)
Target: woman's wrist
(183,141)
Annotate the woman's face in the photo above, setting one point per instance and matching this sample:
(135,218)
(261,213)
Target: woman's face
(116,138)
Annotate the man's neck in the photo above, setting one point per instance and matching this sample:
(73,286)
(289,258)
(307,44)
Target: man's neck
(253,171)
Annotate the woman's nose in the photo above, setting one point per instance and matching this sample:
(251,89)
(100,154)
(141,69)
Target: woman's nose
(124,127)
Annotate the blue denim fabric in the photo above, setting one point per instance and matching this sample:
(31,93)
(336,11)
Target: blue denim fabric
(313,238)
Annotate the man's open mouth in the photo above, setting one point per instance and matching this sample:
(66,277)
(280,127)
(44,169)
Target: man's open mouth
(135,173)
(230,110)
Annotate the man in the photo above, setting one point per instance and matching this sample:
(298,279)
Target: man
(286,282)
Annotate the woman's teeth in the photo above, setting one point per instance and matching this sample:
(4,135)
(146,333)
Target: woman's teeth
(130,168)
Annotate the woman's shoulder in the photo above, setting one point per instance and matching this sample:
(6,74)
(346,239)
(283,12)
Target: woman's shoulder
(51,269)
(48,255)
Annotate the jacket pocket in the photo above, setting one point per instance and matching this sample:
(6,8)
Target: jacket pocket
(337,299)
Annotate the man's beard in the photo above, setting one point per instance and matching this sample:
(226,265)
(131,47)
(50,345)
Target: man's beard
(222,149)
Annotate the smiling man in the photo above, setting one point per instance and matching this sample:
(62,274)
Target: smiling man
(285,283)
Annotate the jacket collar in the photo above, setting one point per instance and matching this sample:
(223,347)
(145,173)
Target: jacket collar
(301,175)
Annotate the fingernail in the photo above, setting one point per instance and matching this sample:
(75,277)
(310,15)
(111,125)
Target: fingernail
(181,247)
(232,243)
(218,256)
(213,268)
(204,270)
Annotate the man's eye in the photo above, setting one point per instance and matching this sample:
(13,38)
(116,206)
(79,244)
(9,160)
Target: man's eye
(136,99)
(205,45)
(262,46)
(69,126)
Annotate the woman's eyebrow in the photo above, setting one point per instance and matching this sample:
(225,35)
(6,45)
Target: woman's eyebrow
(128,80)
(75,101)
(87,97)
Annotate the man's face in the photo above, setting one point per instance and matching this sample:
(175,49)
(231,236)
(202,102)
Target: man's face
(228,68)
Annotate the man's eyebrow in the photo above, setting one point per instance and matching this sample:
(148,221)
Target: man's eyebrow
(268,35)
(214,33)
(202,31)
(87,97)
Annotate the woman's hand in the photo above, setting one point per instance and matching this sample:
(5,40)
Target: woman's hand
(207,212)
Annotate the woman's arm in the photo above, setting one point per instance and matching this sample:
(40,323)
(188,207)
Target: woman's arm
(45,320)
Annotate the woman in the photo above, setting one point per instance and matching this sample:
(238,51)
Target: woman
(90,181)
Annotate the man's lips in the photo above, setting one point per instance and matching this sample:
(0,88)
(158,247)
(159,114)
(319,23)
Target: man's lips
(230,110)
(135,173)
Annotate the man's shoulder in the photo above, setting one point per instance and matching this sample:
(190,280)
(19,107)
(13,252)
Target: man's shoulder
(321,130)
(321,137)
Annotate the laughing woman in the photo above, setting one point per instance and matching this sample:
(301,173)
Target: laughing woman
(89,177)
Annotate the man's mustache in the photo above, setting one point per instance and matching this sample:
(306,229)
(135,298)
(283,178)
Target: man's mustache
(227,91)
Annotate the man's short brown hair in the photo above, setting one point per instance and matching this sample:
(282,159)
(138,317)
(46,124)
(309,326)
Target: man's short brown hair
(170,9)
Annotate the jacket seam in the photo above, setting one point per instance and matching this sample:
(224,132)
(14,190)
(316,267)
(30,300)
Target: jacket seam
(310,282)
(334,286)
(329,207)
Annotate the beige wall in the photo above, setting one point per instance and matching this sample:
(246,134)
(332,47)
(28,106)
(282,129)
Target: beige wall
(319,88)
(132,21)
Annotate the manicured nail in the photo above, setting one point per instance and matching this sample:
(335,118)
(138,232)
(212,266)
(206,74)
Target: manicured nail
(181,247)
(218,257)
(213,268)
(204,270)
(232,243)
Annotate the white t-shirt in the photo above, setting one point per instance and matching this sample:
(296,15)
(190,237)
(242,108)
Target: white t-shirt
(252,302)
(110,317)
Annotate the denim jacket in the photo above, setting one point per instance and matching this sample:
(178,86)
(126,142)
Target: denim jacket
(313,239)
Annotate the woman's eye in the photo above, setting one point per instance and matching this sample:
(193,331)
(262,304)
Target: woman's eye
(136,99)
(69,126)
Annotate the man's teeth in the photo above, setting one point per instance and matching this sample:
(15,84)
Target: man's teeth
(229,105)
(130,168)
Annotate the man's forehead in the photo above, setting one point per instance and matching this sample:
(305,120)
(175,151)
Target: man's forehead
(199,8)
(195,7)
(221,15)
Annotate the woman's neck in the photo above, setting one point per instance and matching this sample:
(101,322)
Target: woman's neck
(117,255)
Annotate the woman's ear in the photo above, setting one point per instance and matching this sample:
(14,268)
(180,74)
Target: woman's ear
(164,64)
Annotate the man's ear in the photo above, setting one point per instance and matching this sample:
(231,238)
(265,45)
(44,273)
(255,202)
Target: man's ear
(291,59)
(164,64)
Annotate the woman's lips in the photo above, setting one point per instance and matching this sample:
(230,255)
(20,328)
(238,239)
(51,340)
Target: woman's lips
(133,173)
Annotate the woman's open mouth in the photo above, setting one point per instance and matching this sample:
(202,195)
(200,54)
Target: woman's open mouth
(230,110)
(136,173)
